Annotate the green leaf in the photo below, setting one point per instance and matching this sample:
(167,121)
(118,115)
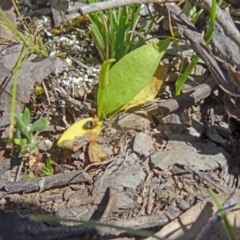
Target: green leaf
(48,169)
(23,152)
(131,74)
(26,117)
(20,125)
(40,125)
(20,141)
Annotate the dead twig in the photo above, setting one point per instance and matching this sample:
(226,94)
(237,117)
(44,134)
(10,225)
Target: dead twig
(36,184)
(79,9)
(185,100)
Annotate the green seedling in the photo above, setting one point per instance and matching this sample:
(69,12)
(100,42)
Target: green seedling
(191,11)
(116,31)
(23,136)
(48,168)
(183,77)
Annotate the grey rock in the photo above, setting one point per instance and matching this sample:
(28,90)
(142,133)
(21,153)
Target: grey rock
(45,145)
(197,129)
(128,175)
(132,121)
(177,170)
(106,149)
(201,156)
(145,9)
(181,203)
(143,144)
(173,212)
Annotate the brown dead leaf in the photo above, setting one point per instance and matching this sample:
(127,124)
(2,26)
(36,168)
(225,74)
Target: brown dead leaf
(95,153)
(79,143)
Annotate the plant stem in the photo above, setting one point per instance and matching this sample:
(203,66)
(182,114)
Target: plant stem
(20,60)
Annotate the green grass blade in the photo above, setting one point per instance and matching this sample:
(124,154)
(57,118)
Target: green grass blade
(93,223)
(223,215)
(183,77)
(114,31)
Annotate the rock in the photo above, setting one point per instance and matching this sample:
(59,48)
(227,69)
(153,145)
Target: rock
(197,129)
(173,212)
(181,203)
(174,123)
(106,149)
(132,121)
(45,144)
(129,175)
(201,156)
(143,144)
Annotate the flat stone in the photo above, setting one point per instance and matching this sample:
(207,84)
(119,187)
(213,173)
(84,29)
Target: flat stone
(132,121)
(201,156)
(173,212)
(128,175)
(143,144)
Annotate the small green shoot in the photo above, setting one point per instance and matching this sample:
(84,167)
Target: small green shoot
(223,215)
(183,77)
(48,168)
(116,31)
(191,11)
(27,144)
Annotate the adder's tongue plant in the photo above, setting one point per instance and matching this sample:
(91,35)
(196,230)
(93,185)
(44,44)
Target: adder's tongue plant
(136,78)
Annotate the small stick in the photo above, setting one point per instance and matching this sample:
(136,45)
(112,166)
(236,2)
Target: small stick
(80,9)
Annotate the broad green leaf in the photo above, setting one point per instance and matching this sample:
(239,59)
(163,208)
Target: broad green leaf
(150,91)
(131,74)
(40,125)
